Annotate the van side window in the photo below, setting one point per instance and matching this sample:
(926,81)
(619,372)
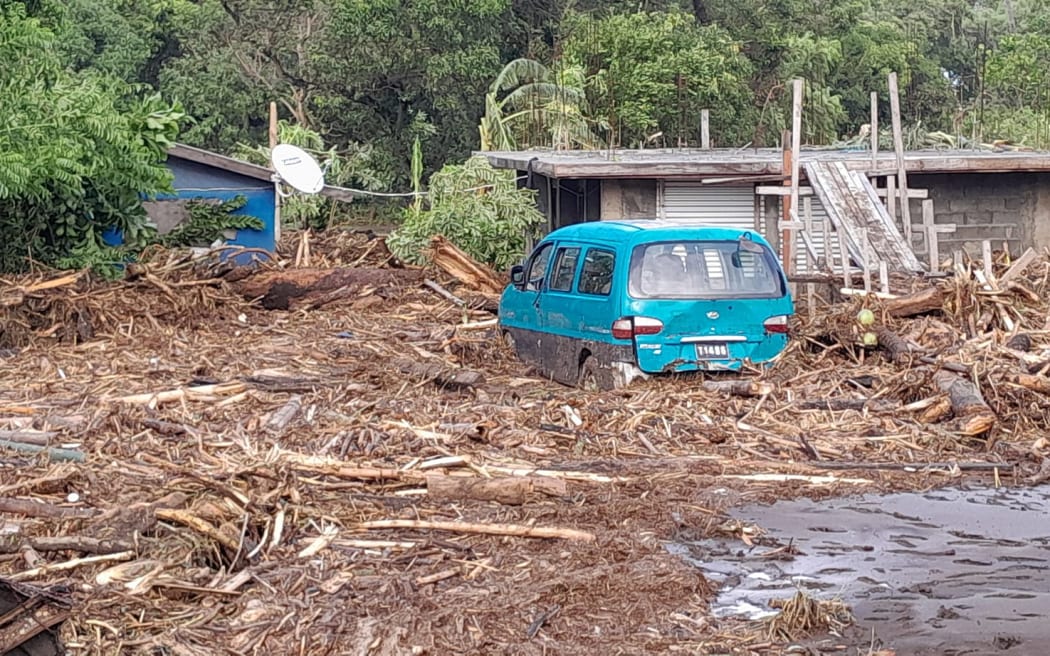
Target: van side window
(565,269)
(597,272)
(538,267)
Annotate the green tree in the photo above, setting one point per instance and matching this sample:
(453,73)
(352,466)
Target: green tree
(654,72)
(76,152)
(480,209)
(540,107)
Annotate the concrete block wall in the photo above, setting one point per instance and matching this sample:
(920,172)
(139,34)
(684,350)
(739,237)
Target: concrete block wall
(629,199)
(1002,207)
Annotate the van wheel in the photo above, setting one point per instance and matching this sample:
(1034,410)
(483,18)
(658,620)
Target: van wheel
(591,378)
(510,342)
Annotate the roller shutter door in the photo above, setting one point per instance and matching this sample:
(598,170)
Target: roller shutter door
(731,207)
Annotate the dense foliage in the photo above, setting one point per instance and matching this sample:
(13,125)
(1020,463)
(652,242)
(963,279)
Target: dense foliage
(76,151)
(92,90)
(480,209)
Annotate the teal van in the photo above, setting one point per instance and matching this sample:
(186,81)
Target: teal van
(599,304)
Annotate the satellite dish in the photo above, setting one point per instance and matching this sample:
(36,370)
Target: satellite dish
(297,168)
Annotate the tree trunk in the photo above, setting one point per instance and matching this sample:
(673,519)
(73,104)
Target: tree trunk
(292,289)
(445,255)
(925,300)
(898,349)
(738,387)
(975,417)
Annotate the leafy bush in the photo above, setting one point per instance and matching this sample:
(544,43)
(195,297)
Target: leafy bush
(77,152)
(477,208)
(208,221)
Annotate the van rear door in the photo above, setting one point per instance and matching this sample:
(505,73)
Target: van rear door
(705,305)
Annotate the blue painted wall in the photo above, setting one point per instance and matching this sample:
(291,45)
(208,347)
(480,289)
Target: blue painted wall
(193,180)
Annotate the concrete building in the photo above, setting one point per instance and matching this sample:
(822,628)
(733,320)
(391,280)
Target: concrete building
(967,196)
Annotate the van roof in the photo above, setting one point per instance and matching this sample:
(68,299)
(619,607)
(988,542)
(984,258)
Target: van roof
(647,229)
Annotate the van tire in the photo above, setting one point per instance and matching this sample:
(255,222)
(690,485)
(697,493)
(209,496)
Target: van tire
(510,342)
(591,377)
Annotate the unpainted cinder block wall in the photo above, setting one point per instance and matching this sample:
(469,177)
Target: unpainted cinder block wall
(628,199)
(1010,207)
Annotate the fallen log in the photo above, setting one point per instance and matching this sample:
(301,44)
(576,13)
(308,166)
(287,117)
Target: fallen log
(738,387)
(1032,382)
(833,404)
(453,261)
(441,374)
(924,300)
(293,289)
(898,349)
(515,530)
(975,416)
(58,455)
(37,572)
(79,543)
(28,436)
(280,419)
(511,491)
(31,508)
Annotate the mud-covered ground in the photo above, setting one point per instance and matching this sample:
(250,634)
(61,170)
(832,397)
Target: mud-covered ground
(221,528)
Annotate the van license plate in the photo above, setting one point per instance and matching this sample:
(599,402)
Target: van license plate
(708,351)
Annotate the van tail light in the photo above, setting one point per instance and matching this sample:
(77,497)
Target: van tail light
(777,324)
(629,327)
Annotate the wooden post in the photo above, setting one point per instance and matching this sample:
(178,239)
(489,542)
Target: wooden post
(796,144)
(786,244)
(986,260)
(898,147)
(864,248)
(874,130)
(772,217)
(884,277)
(847,276)
(276,185)
(891,197)
(705,128)
(932,241)
(811,289)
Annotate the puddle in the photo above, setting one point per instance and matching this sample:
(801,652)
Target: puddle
(945,572)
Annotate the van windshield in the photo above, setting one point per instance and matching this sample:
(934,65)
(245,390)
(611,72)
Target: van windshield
(703,269)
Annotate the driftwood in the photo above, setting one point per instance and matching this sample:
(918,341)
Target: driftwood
(440,374)
(1019,342)
(58,455)
(280,419)
(1032,382)
(512,491)
(486,529)
(294,289)
(876,405)
(738,387)
(40,509)
(37,572)
(39,438)
(79,543)
(975,417)
(898,349)
(449,258)
(925,300)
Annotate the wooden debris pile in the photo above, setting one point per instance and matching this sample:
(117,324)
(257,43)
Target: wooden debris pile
(974,348)
(383,476)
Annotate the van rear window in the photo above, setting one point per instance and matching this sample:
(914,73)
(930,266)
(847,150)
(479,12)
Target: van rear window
(703,269)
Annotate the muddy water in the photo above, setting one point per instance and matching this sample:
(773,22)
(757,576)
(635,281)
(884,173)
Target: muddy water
(945,572)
